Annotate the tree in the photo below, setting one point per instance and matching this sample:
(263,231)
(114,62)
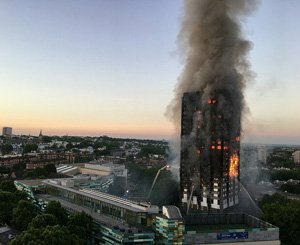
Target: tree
(43,220)
(58,211)
(19,169)
(4,170)
(69,146)
(285,214)
(148,149)
(7,204)
(8,185)
(50,168)
(31,236)
(285,174)
(50,235)
(85,144)
(23,214)
(8,201)
(36,173)
(81,224)
(83,158)
(281,158)
(29,148)
(46,139)
(6,149)
(60,235)
(291,187)
(41,172)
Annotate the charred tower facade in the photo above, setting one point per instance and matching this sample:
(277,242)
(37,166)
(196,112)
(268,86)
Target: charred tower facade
(210,146)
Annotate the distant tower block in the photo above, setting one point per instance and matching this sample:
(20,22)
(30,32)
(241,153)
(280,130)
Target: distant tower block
(209,160)
(7,131)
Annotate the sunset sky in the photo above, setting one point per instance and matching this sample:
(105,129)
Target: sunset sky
(109,67)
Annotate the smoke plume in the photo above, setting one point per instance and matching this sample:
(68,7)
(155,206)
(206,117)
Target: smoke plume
(215,56)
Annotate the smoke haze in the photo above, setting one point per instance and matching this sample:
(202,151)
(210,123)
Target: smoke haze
(215,56)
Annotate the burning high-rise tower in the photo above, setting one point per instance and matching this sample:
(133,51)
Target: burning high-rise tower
(209,100)
(209,161)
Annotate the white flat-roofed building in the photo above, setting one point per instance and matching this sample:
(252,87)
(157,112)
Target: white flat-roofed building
(296,156)
(262,154)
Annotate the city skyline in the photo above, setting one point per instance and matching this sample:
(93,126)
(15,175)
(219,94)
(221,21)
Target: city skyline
(110,68)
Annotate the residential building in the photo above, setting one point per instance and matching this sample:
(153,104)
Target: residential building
(10,160)
(209,159)
(7,131)
(40,160)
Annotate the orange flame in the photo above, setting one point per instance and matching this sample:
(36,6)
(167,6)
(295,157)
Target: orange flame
(211,101)
(233,167)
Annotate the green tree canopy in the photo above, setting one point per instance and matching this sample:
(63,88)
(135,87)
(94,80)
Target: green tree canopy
(69,146)
(85,144)
(50,168)
(29,148)
(8,201)
(46,139)
(50,235)
(19,169)
(4,170)
(285,214)
(285,174)
(23,214)
(281,158)
(8,185)
(148,149)
(81,224)
(291,187)
(6,149)
(7,204)
(43,220)
(58,211)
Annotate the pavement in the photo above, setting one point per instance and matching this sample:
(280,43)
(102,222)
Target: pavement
(7,234)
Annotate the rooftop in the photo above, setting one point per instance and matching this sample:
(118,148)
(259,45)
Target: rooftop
(101,218)
(31,182)
(212,222)
(172,212)
(104,197)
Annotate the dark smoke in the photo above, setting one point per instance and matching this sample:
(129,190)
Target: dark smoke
(215,56)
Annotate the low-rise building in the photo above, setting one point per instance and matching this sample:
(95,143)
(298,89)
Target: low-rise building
(262,154)
(169,226)
(121,221)
(10,160)
(296,157)
(41,160)
(229,229)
